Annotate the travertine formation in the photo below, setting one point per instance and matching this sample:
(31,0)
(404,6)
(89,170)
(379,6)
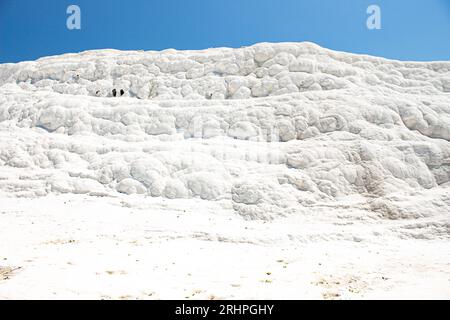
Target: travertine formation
(267,130)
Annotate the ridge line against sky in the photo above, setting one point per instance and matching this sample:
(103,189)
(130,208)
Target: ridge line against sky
(410,30)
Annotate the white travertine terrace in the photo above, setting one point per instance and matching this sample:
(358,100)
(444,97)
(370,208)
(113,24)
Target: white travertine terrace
(270,129)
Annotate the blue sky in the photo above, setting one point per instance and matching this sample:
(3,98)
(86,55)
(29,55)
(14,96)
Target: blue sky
(411,29)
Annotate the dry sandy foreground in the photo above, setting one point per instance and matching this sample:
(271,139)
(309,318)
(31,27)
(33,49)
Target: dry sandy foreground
(81,247)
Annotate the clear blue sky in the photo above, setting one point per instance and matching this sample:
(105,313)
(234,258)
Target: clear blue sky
(411,29)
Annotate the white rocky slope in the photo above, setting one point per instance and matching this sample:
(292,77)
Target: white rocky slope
(273,145)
